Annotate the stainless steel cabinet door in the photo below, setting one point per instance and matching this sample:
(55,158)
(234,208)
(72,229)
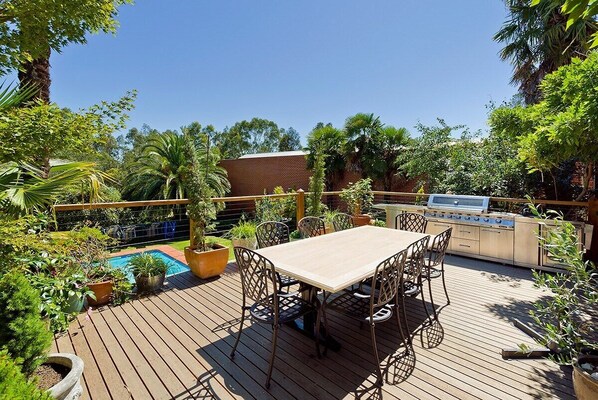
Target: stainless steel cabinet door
(497,243)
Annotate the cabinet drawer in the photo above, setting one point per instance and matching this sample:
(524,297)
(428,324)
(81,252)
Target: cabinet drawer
(465,245)
(434,228)
(466,232)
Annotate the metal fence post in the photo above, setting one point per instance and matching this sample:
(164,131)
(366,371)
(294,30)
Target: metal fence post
(300,204)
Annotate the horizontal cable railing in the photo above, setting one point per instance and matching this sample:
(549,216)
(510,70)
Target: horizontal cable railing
(141,223)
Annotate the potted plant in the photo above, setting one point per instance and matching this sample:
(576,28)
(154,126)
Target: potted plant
(243,234)
(100,283)
(568,316)
(25,337)
(205,259)
(149,271)
(358,196)
(328,217)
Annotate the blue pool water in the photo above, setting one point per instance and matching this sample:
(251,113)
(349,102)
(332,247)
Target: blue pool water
(176,267)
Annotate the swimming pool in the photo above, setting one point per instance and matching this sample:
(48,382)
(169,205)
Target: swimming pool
(176,267)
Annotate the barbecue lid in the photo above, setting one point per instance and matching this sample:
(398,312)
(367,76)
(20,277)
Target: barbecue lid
(456,202)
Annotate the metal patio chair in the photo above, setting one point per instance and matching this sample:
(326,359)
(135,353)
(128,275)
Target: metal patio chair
(373,307)
(311,227)
(412,276)
(268,306)
(412,222)
(342,221)
(272,233)
(434,267)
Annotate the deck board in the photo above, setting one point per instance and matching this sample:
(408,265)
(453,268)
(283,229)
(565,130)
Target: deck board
(176,344)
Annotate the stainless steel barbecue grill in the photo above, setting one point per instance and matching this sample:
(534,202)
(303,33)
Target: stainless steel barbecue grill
(471,210)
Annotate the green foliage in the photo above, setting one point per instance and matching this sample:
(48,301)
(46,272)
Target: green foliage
(380,223)
(147,265)
(160,170)
(42,131)
(14,385)
(317,185)
(243,230)
(331,142)
(358,196)
(538,39)
(275,209)
(248,137)
(289,140)
(578,10)
(563,125)
(201,209)
(567,316)
(24,335)
(26,189)
(360,148)
(58,294)
(30,28)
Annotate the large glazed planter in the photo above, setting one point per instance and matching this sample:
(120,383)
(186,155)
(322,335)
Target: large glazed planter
(70,387)
(247,243)
(586,387)
(147,284)
(103,292)
(361,219)
(75,303)
(207,264)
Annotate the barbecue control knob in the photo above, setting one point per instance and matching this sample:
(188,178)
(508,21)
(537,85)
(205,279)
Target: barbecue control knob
(468,217)
(476,218)
(449,216)
(498,220)
(486,219)
(458,216)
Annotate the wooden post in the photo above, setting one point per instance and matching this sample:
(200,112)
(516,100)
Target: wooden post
(300,204)
(592,254)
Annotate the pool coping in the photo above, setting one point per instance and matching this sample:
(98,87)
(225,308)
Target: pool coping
(164,248)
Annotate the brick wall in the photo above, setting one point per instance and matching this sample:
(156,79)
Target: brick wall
(253,176)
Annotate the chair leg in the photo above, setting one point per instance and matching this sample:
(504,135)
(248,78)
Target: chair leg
(274,340)
(404,315)
(397,313)
(421,291)
(432,299)
(380,380)
(448,300)
(232,353)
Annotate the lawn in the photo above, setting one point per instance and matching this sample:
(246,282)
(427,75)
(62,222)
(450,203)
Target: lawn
(181,244)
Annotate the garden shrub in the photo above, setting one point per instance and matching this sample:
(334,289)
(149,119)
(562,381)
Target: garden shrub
(14,385)
(24,334)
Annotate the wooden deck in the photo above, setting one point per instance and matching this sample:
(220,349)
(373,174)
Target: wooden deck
(177,344)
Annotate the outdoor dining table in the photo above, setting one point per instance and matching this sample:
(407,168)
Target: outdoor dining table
(336,261)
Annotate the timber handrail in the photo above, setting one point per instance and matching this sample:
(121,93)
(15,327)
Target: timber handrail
(170,202)
(234,199)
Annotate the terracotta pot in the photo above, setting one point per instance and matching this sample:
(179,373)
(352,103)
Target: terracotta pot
(248,243)
(361,219)
(147,284)
(207,264)
(103,292)
(70,387)
(586,387)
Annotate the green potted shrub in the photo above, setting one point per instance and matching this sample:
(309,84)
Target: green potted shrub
(328,217)
(243,234)
(359,197)
(568,316)
(149,271)
(25,338)
(205,259)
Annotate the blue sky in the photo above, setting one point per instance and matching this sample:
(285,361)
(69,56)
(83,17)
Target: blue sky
(294,62)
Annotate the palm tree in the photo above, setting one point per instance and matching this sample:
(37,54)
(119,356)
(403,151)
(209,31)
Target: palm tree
(391,141)
(329,141)
(25,188)
(537,42)
(159,172)
(360,149)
